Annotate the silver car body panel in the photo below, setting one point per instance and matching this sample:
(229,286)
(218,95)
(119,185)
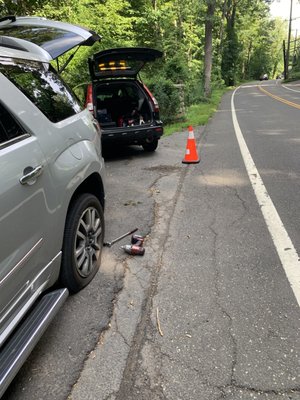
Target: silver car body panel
(40,172)
(35,52)
(9,54)
(20,264)
(40,206)
(30,293)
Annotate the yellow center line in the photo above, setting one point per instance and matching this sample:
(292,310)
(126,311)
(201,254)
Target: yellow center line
(289,103)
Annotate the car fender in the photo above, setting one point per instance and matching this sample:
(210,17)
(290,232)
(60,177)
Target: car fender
(74,165)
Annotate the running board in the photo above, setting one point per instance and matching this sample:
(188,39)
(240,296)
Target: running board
(15,352)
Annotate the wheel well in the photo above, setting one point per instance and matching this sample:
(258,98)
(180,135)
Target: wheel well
(94,185)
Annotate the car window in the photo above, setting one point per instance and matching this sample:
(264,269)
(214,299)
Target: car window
(132,91)
(107,92)
(9,127)
(44,88)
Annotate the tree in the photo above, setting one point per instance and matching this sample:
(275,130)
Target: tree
(211,4)
(205,42)
(231,46)
(20,7)
(246,28)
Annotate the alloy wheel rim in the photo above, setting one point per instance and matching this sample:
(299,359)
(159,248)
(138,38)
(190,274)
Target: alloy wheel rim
(88,242)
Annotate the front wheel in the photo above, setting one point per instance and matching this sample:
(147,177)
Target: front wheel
(150,145)
(83,241)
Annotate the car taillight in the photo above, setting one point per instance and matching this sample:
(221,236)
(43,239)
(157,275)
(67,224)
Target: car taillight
(89,99)
(153,99)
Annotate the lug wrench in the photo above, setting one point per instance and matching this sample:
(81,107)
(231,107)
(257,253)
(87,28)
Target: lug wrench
(109,244)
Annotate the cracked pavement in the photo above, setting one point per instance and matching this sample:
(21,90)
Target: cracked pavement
(206,314)
(210,277)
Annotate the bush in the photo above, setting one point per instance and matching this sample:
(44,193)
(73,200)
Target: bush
(176,70)
(168,98)
(194,92)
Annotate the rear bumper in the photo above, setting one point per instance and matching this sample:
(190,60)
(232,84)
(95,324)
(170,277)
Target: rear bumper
(133,134)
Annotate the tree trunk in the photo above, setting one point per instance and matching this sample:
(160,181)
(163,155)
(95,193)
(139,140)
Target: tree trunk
(247,68)
(208,46)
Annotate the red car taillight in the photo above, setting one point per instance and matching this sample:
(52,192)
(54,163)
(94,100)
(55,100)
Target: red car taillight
(153,99)
(89,99)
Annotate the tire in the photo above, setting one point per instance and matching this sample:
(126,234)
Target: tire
(82,244)
(151,145)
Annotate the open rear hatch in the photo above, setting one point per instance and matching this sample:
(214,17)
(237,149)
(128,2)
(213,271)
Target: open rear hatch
(121,62)
(49,39)
(119,102)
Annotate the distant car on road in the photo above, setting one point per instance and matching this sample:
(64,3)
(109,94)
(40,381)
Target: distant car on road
(264,77)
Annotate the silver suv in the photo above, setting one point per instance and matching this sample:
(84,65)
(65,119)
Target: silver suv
(52,185)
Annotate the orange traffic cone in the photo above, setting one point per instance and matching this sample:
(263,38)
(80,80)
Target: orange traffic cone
(191,155)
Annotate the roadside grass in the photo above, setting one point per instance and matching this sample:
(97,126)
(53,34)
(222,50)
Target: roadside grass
(197,114)
(295,76)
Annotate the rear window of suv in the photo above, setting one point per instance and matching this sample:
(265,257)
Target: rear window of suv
(43,87)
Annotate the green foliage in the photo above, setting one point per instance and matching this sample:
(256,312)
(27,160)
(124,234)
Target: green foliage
(230,57)
(262,46)
(12,7)
(110,19)
(194,92)
(246,42)
(197,114)
(168,97)
(176,69)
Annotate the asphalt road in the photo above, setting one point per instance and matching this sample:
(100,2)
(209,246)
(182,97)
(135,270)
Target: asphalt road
(211,311)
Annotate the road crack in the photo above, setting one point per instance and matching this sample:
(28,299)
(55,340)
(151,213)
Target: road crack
(163,214)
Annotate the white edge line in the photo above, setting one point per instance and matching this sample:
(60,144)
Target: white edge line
(283,244)
(293,90)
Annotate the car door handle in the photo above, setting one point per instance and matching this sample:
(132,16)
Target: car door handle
(31,174)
